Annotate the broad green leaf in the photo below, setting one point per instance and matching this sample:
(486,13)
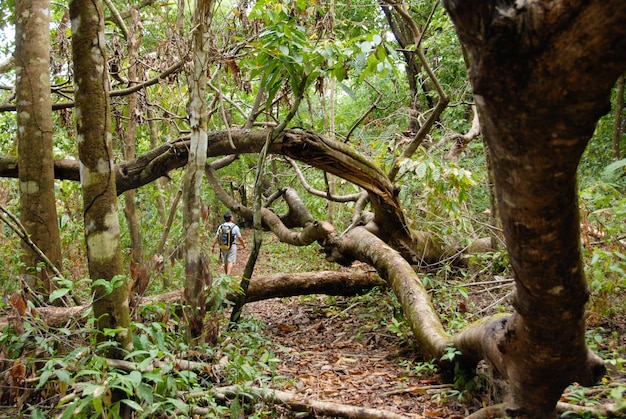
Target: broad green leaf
(133,405)
(58,293)
(135,378)
(63,375)
(614,167)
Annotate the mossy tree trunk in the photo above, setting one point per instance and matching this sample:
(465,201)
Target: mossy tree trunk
(38,211)
(102,229)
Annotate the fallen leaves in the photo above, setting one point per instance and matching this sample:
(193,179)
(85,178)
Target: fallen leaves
(326,359)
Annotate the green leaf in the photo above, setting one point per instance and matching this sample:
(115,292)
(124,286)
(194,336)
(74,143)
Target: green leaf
(94,390)
(146,393)
(614,166)
(135,378)
(106,285)
(340,73)
(63,375)
(420,171)
(133,405)
(58,293)
(43,378)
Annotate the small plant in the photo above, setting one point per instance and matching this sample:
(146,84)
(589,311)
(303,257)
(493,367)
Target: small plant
(425,368)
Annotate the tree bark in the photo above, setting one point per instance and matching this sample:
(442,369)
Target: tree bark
(426,326)
(38,213)
(95,149)
(134,36)
(542,73)
(197,274)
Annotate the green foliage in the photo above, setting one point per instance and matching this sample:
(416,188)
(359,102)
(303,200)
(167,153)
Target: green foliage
(439,190)
(149,380)
(603,215)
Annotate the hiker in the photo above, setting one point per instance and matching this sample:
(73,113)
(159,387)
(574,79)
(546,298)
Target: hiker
(227,236)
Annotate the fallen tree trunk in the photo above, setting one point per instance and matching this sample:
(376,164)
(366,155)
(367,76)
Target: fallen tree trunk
(261,288)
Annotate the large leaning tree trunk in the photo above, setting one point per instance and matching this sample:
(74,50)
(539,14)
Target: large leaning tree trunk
(38,211)
(197,273)
(542,73)
(102,230)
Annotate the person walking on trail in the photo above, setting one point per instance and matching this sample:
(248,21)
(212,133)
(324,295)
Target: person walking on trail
(227,236)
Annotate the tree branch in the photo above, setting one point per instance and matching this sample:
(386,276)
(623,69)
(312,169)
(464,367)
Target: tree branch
(121,92)
(317,192)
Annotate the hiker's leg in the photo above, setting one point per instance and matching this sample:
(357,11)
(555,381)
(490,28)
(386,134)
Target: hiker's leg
(230,256)
(228,268)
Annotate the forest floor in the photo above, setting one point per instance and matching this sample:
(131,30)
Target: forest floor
(332,352)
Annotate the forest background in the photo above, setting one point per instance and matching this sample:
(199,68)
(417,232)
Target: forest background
(342,70)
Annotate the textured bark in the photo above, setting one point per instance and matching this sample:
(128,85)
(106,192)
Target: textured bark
(129,138)
(197,275)
(38,213)
(306,146)
(102,230)
(312,230)
(542,74)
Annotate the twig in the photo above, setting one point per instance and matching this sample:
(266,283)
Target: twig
(220,97)
(317,192)
(298,403)
(498,280)
(498,301)
(117,18)
(121,92)
(15,225)
(418,389)
(495,287)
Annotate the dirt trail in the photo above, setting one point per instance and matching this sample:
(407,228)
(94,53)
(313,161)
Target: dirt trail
(329,355)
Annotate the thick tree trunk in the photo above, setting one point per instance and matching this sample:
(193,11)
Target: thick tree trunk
(95,149)
(430,336)
(38,213)
(306,146)
(542,75)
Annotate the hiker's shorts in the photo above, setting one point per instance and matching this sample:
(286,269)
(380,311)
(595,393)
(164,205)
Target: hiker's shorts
(230,255)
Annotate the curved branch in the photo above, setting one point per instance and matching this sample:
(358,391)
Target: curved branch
(442,103)
(312,232)
(117,18)
(317,192)
(426,326)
